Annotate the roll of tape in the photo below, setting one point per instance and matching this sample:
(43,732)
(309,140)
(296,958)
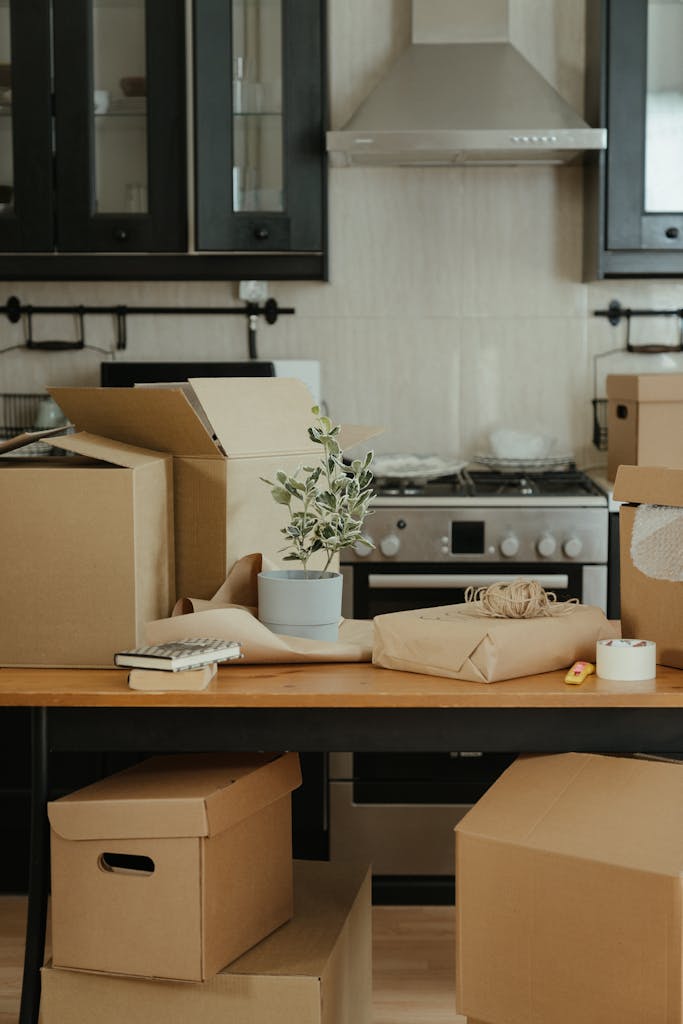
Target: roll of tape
(626,659)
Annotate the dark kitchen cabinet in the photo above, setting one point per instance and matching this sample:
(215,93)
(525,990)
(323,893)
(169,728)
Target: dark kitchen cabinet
(259,125)
(634,190)
(95,145)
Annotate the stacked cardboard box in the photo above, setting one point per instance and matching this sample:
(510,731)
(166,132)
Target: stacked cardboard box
(568,894)
(316,969)
(644,420)
(652,570)
(86,548)
(165,873)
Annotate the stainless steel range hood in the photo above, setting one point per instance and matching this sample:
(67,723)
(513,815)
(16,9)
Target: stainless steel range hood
(463,103)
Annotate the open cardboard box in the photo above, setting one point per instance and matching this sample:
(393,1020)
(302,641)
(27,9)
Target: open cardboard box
(86,548)
(651,607)
(644,420)
(568,893)
(316,969)
(228,434)
(175,867)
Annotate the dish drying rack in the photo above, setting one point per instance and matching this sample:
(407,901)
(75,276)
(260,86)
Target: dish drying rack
(17,415)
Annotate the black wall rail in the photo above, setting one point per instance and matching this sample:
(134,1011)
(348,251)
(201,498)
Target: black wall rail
(15,310)
(615,312)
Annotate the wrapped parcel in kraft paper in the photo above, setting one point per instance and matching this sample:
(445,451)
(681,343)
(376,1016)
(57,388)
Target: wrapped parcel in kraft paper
(457,642)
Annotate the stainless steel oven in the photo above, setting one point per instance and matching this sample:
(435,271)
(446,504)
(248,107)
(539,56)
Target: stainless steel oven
(432,541)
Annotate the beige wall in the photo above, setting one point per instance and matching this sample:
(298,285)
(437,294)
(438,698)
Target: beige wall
(455,302)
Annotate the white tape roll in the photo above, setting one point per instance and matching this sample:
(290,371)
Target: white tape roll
(626,659)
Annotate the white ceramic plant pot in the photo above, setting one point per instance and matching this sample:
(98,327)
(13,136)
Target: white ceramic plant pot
(300,603)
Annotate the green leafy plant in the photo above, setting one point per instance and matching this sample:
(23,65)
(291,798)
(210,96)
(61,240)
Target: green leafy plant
(328,505)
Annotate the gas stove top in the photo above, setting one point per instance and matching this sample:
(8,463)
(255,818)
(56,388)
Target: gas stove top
(564,487)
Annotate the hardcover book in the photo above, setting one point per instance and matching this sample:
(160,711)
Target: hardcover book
(151,679)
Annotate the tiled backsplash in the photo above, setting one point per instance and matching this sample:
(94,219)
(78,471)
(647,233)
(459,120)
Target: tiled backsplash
(455,303)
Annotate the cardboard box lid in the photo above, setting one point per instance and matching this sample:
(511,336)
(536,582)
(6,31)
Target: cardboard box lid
(645,387)
(176,796)
(249,415)
(160,419)
(649,485)
(613,810)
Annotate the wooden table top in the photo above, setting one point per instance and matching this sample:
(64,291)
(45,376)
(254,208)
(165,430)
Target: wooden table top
(338,685)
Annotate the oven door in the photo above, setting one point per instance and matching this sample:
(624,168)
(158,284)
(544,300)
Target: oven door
(379,589)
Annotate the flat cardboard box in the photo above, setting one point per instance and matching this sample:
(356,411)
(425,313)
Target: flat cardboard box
(568,893)
(175,867)
(223,510)
(317,969)
(644,420)
(86,548)
(651,608)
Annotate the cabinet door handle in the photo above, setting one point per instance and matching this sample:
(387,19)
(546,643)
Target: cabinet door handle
(120,235)
(672,232)
(261,232)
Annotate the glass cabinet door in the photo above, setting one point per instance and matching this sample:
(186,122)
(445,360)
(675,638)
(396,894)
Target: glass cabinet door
(120,125)
(259,125)
(645,129)
(25,127)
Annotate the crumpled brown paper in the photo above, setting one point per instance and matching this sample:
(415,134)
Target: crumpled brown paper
(454,641)
(231,615)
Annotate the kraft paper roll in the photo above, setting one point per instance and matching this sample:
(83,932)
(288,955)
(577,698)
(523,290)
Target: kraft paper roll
(626,659)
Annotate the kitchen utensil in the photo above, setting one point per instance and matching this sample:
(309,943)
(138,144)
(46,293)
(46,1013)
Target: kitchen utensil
(415,467)
(512,465)
(520,444)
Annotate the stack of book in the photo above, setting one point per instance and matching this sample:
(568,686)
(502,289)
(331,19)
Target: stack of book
(177,665)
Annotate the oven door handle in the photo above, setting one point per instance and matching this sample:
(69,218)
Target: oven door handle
(450,581)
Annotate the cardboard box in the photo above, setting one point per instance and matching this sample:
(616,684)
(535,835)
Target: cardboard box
(223,510)
(86,548)
(175,867)
(651,606)
(568,894)
(644,420)
(317,969)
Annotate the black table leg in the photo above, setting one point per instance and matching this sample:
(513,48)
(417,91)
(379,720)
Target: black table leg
(38,871)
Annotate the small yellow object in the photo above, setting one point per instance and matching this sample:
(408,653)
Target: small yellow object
(579,671)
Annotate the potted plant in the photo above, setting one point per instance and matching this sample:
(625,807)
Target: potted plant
(327,505)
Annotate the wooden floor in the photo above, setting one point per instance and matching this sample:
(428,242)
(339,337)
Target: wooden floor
(413,963)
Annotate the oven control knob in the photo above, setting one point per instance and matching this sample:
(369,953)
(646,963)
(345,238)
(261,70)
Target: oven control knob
(390,545)
(363,547)
(546,545)
(572,547)
(509,546)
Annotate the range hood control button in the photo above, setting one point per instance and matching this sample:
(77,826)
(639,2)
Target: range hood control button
(572,547)
(509,546)
(390,545)
(546,545)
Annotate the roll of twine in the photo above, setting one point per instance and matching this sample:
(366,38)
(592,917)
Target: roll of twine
(519,599)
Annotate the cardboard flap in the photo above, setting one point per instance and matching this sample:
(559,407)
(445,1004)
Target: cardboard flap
(171,797)
(649,485)
(29,437)
(258,415)
(645,387)
(159,419)
(352,434)
(105,450)
(585,806)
